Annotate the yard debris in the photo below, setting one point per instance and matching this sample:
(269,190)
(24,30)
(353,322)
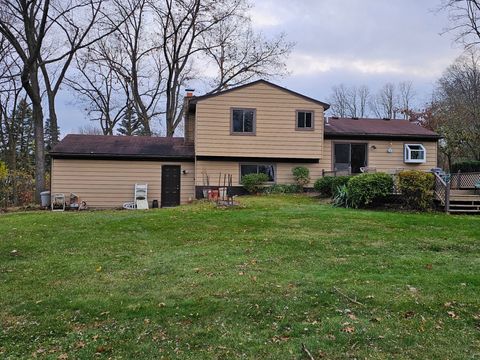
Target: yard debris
(429,266)
(348,329)
(409,314)
(452,314)
(14,252)
(98,269)
(347,297)
(412,289)
(307,352)
(63,356)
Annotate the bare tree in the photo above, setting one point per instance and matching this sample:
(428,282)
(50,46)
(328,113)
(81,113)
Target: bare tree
(363,93)
(350,102)
(459,98)
(141,61)
(10,96)
(406,94)
(89,130)
(24,24)
(241,55)
(339,101)
(384,104)
(465,20)
(100,90)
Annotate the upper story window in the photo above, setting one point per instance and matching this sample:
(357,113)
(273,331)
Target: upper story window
(243,121)
(304,120)
(415,153)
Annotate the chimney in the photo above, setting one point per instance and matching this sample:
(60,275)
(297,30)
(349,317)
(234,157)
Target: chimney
(189,118)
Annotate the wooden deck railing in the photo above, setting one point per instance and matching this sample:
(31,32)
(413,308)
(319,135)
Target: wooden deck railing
(442,191)
(459,180)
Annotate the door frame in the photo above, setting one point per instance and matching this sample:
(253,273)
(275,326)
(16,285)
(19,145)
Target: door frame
(367,143)
(162,183)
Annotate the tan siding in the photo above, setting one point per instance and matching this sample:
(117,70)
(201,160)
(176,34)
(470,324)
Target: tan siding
(109,183)
(378,158)
(384,161)
(275,125)
(215,168)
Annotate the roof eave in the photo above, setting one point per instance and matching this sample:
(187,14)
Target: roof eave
(103,156)
(366,136)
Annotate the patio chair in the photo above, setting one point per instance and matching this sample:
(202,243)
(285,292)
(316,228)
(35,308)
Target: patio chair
(477,186)
(141,200)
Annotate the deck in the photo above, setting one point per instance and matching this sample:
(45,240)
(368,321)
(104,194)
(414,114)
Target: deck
(465,201)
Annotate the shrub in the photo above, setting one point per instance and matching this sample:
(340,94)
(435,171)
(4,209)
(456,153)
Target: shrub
(367,189)
(3,170)
(339,181)
(466,166)
(283,189)
(301,174)
(324,185)
(253,182)
(341,197)
(416,188)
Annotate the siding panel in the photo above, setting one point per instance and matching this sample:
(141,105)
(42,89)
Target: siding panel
(110,183)
(275,125)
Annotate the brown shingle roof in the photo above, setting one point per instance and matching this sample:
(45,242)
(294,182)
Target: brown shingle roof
(376,128)
(123,147)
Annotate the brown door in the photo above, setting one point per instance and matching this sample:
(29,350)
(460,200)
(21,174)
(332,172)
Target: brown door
(170,185)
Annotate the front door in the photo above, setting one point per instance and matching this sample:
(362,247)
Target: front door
(170,185)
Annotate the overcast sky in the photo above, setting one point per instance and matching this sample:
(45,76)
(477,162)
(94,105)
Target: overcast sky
(354,42)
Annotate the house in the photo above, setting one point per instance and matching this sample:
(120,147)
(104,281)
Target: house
(257,127)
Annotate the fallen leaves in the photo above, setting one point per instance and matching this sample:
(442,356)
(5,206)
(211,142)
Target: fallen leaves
(452,315)
(348,329)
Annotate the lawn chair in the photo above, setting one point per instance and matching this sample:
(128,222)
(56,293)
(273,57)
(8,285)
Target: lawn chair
(58,202)
(141,200)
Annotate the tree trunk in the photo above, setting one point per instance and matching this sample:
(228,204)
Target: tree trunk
(39,136)
(54,133)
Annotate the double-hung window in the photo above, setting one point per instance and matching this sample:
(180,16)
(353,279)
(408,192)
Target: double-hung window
(243,121)
(304,120)
(415,153)
(267,169)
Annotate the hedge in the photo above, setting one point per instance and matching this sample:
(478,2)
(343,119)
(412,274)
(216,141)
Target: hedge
(416,189)
(466,166)
(368,189)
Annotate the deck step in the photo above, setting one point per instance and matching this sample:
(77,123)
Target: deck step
(465,206)
(464,211)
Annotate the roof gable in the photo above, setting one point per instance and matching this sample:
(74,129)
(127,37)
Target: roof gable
(196,99)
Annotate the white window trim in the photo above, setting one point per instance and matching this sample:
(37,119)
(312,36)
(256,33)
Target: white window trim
(407,154)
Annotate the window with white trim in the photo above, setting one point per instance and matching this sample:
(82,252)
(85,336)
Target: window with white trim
(415,153)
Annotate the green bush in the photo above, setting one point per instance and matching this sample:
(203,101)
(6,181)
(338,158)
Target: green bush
(3,170)
(339,181)
(301,174)
(416,188)
(341,198)
(466,166)
(253,183)
(368,189)
(283,189)
(324,185)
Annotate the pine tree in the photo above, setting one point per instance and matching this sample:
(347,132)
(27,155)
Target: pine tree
(130,125)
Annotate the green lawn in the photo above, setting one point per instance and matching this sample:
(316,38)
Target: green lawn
(256,282)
